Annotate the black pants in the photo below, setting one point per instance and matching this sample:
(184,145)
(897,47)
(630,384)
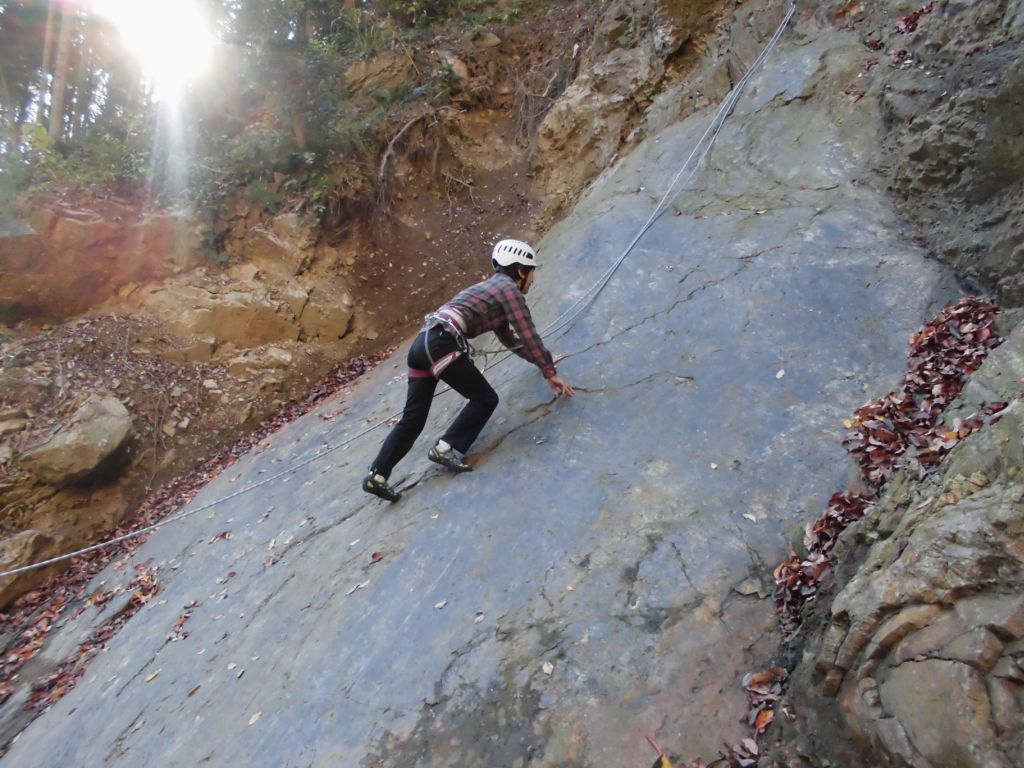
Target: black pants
(462,376)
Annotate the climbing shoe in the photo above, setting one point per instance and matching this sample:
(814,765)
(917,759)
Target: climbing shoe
(448,458)
(378,486)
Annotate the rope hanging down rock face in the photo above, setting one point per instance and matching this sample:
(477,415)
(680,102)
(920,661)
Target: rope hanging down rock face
(559,325)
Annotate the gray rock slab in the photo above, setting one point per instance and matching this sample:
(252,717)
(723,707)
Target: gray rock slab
(578,590)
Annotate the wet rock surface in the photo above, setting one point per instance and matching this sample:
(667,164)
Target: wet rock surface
(594,580)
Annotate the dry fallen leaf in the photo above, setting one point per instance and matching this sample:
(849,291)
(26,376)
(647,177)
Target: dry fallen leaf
(151,678)
(764,719)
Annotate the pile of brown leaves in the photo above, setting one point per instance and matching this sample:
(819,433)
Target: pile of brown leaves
(28,622)
(796,578)
(942,355)
(907,24)
(892,428)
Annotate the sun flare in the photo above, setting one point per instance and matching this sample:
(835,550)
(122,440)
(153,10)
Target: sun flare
(171,40)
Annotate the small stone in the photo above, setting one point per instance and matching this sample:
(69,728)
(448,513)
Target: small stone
(748,587)
(833,680)
(12,425)
(487,40)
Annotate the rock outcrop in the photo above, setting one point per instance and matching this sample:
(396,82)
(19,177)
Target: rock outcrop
(920,658)
(386,69)
(567,596)
(650,64)
(61,262)
(953,138)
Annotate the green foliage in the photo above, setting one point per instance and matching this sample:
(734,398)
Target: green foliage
(258,151)
(276,118)
(20,53)
(349,132)
(262,195)
(98,164)
(417,13)
(359,33)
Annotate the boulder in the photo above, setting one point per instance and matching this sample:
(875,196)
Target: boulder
(454,64)
(200,349)
(487,40)
(328,312)
(269,251)
(253,363)
(90,439)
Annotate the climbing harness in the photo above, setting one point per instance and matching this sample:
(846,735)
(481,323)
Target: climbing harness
(448,319)
(559,325)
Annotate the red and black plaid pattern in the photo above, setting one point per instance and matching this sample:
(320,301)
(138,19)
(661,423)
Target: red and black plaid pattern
(497,305)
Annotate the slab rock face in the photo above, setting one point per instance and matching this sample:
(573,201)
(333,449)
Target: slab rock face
(922,655)
(94,434)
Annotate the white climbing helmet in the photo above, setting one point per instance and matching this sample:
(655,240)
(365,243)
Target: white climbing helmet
(509,252)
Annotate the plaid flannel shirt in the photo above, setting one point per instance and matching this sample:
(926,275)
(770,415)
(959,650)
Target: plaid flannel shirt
(497,304)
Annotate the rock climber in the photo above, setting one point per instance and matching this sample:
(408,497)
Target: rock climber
(441,352)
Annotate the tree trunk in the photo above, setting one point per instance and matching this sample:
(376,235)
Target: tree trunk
(44,70)
(299,132)
(60,75)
